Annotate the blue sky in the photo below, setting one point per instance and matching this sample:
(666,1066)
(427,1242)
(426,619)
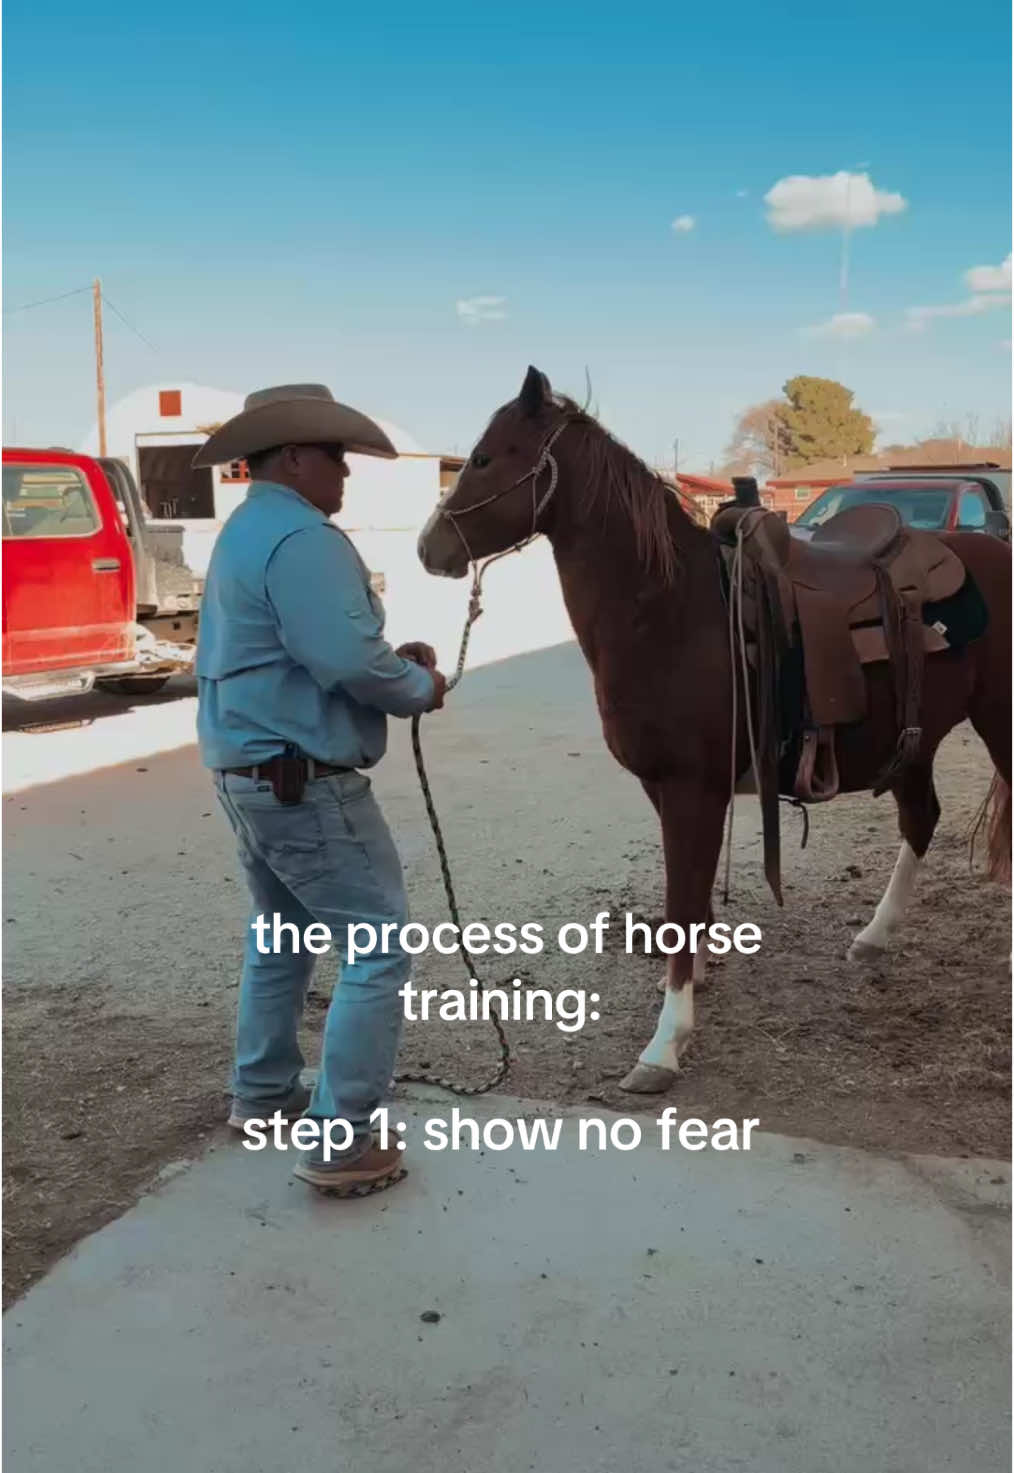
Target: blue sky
(307,192)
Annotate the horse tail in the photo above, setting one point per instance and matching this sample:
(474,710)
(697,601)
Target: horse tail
(994,817)
(998,832)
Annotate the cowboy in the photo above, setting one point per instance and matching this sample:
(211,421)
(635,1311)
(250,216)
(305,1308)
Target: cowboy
(295,684)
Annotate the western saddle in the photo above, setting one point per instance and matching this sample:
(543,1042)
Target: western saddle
(853,595)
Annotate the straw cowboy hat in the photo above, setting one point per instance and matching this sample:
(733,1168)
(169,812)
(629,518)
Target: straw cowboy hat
(293,414)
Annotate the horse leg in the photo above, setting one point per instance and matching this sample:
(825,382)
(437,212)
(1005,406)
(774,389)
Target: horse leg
(692,824)
(918,813)
(699,975)
(700,972)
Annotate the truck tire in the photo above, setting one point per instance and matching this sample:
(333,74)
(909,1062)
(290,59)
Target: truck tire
(133,685)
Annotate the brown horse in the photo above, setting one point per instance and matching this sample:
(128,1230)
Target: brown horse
(643,588)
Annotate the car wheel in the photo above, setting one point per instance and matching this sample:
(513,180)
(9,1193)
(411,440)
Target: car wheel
(134,685)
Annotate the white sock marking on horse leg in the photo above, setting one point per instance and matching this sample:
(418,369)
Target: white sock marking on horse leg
(675,1025)
(889,913)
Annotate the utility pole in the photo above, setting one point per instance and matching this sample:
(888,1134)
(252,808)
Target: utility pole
(100,378)
(843,276)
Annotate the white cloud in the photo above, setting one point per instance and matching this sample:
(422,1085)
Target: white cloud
(989,278)
(683,224)
(843,326)
(742,193)
(805,202)
(990,287)
(916,318)
(473,310)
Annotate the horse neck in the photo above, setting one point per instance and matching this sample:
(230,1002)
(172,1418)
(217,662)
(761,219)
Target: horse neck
(602,570)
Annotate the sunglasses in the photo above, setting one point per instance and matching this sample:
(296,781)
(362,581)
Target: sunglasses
(334,453)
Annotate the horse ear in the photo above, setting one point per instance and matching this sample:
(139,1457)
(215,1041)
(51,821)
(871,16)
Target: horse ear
(536,391)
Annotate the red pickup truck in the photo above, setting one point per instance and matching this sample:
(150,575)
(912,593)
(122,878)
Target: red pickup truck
(93,591)
(972,499)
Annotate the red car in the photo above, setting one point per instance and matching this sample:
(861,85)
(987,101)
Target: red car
(932,503)
(84,579)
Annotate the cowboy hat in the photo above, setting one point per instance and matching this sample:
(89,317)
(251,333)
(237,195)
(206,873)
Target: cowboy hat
(293,414)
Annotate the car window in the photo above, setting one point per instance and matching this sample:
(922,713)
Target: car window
(925,508)
(972,510)
(824,507)
(47,501)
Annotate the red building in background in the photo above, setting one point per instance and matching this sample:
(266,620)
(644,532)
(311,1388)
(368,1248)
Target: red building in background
(707,494)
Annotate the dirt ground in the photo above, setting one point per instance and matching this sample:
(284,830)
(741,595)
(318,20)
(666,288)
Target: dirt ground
(118,1016)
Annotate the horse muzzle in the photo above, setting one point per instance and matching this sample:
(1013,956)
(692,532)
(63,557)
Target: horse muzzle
(441,550)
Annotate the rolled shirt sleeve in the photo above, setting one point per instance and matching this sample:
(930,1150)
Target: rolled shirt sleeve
(328,624)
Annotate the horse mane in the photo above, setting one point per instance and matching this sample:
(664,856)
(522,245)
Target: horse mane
(610,468)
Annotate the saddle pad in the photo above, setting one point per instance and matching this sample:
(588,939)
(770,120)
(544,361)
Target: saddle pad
(964,615)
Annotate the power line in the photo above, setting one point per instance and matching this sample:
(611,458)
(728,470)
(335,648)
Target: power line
(133,329)
(45,301)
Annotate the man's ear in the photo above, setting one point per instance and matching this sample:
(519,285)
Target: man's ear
(536,392)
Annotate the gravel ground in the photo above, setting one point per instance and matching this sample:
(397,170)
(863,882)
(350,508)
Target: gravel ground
(124,912)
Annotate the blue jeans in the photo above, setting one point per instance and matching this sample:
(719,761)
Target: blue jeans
(329,859)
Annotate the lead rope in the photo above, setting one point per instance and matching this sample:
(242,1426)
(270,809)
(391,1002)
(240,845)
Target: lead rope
(545,458)
(504,1062)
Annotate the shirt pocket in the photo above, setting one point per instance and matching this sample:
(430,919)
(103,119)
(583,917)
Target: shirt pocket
(376,607)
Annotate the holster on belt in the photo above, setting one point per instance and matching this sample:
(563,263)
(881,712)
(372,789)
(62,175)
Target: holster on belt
(288,774)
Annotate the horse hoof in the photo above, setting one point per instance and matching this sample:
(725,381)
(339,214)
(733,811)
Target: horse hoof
(648,1079)
(862,954)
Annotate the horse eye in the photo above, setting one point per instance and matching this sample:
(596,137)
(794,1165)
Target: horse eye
(480,461)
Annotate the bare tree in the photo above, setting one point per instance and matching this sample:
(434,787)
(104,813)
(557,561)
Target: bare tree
(962,436)
(759,444)
(1000,435)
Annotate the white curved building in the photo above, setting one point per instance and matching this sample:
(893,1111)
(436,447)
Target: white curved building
(156,430)
(139,415)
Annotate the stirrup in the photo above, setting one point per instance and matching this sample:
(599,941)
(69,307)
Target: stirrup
(817,774)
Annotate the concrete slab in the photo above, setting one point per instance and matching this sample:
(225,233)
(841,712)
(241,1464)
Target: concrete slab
(795,1308)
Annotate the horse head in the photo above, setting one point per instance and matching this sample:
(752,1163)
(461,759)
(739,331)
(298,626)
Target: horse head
(504,487)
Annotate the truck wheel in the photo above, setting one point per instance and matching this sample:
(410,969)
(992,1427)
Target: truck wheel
(134,685)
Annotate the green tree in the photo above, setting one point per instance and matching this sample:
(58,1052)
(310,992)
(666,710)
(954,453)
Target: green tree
(821,422)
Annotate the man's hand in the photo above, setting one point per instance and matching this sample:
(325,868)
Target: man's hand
(419,653)
(439,689)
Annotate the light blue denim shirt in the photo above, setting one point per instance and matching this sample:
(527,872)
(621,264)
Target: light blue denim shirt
(291,642)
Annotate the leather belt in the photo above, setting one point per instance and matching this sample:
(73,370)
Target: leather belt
(266,770)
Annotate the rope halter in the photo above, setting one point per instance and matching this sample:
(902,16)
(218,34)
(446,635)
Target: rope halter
(544,459)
